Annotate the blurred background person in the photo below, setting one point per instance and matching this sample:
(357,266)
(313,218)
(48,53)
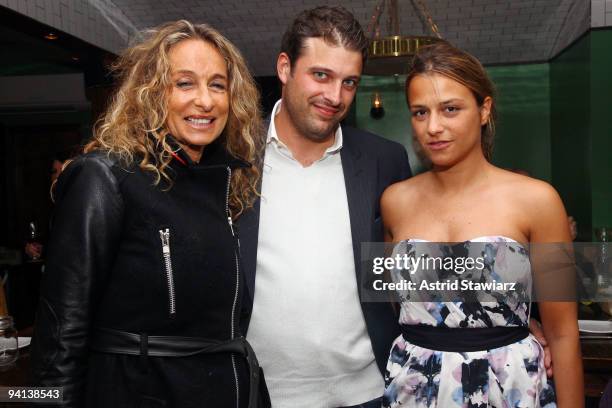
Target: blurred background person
(34,245)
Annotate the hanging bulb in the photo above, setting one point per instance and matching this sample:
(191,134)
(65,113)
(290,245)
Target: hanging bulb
(377,110)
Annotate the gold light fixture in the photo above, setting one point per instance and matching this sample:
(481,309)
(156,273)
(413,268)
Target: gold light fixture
(51,36)
(392,54)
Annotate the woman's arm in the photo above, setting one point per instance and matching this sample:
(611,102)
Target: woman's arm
(85,232)
(548,224)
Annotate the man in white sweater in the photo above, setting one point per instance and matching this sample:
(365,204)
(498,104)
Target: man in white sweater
(318,345)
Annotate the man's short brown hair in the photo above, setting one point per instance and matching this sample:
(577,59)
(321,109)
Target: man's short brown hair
(334,24)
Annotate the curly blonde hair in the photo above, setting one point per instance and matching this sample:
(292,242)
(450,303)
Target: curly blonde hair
(139,108)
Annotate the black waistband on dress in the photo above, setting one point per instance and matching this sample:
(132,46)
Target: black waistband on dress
(120,342)
(462,339)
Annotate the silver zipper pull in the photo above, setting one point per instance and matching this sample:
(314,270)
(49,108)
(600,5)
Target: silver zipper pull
(165,239)
(164,235)
(231,224)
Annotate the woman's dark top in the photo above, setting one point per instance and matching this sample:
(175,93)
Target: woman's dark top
(127,255)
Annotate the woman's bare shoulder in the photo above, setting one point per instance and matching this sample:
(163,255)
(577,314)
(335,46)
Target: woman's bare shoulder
(405,189)
(538,206)
(525,190)
(404,194)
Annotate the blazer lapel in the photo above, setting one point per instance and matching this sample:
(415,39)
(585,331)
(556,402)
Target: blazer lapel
(248,224)
(358,191)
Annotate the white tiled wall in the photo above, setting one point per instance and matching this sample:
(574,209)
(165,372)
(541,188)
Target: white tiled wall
(80,18)
(496,31)
(574,19)
(601,13)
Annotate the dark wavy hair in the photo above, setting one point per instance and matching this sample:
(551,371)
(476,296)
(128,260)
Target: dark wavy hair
(334,24)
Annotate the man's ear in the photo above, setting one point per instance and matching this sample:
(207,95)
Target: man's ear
(283,67)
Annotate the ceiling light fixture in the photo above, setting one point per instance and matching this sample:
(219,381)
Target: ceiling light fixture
(51,36)
(393,53)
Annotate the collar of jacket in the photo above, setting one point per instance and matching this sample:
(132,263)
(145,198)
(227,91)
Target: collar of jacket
(214,155)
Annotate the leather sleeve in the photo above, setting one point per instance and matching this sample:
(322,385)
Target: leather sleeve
(85,232)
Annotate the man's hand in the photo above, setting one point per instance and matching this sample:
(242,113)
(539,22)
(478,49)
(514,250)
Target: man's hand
(573,227)
(536,329)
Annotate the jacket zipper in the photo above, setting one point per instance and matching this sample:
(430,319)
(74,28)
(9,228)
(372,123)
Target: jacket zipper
(164,235)
(233,329)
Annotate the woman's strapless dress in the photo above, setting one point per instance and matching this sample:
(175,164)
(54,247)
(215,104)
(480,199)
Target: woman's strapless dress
(504,377)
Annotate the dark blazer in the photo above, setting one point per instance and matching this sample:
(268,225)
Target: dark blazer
(370,165)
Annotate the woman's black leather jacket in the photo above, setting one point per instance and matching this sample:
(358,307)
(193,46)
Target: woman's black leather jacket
(128,255)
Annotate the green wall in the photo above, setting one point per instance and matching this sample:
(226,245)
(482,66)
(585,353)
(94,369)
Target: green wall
(395,125)
(582,130)
(522,139)
(570,132)
(601,127)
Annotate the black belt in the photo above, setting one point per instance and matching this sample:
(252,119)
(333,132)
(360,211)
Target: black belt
(462,339)
(120,342)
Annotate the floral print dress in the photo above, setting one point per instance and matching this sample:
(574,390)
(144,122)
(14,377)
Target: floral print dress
(504,377)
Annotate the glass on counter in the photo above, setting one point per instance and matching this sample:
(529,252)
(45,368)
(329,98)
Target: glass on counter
(9,350)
